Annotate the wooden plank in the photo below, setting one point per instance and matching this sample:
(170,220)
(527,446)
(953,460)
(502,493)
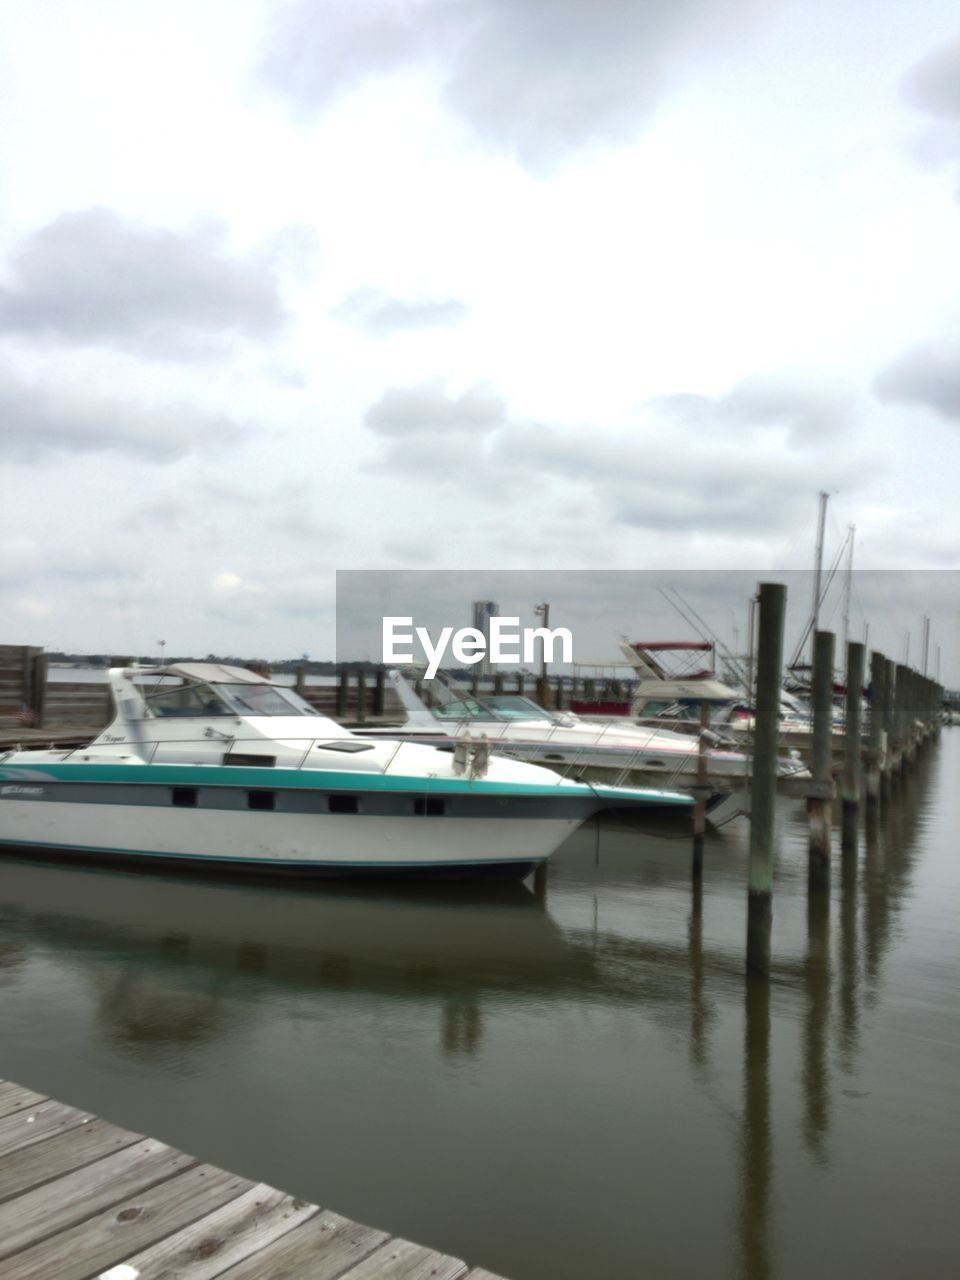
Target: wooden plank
(404,1260)
(30,1166)
(103,1241)
(321,1248)
(43,1212)
(220,1240)
(15,1098)
(23,1128)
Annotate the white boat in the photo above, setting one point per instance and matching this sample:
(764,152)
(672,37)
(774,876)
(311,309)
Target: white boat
(671,699)
(214,766)
(577,748)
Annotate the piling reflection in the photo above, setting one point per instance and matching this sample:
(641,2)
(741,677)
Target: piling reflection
(756,1141)
(815,1073)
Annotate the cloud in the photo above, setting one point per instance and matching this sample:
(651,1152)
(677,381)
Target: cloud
(92,278)
(538,78)
(381,315)
(39,421)
(927,375)
(933,84)
(426,409)
(748,461)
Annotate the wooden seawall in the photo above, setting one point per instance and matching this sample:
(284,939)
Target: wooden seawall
(81,1199)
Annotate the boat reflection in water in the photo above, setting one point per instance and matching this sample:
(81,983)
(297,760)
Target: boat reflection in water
(168,957)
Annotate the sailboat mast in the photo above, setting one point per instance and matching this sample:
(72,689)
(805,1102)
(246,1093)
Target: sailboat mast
(818,570)
(847,587)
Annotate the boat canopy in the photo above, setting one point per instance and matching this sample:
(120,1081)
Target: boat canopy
(205,689)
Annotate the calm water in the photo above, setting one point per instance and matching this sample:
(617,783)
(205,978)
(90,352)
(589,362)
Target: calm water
(579,1087)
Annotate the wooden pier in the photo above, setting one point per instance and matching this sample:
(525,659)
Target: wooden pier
(81,1199)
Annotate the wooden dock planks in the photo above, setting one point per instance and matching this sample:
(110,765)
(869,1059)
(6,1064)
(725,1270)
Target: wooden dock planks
(82,1199)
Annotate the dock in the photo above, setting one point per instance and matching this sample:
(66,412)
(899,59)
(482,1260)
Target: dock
(82,1199)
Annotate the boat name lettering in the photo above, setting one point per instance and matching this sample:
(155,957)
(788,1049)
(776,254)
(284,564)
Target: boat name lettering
(21,791)
(506,644)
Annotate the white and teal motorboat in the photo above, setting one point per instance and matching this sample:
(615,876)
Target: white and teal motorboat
(207,765)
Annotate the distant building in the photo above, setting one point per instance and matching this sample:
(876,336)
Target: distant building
(483,611)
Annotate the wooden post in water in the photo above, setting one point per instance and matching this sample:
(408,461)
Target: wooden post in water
(874,754)
(899,719)
(889,681)
(821,790)
(38,693)
(361,696)
(300,683)
(773,597)
(701,793)
(343,693)
(852,728)
(910,710)
(379,689)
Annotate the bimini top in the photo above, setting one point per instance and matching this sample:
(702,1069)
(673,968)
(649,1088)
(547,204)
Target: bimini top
(210,673)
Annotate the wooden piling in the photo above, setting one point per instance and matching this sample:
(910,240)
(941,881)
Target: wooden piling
(701,793)
(873,757)
(889,682)
(852,729)
(899,720)
(361,696)
(379,690)
(821,790)
(38,691)
(772,605)
(343,693)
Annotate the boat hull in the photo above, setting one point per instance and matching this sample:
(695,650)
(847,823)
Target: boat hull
(513,836)
(283,821)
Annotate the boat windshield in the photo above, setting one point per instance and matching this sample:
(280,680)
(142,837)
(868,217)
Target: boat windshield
(228,700)
(498,707)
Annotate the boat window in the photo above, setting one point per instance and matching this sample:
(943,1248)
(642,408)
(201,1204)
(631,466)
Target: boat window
(510,706)
(654,708)
(351,748)
(429,806)
(184,797)
(343,804)
(188,700)
(464,709)
(499,707)
(261,799)
(264,700)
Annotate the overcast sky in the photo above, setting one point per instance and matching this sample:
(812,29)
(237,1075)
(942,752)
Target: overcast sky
(411,284)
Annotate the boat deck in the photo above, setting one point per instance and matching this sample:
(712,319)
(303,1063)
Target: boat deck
(81,1199)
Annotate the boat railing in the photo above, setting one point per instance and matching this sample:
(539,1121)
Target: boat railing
(232,742)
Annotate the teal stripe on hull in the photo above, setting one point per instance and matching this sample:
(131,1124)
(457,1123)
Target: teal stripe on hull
(321,779)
